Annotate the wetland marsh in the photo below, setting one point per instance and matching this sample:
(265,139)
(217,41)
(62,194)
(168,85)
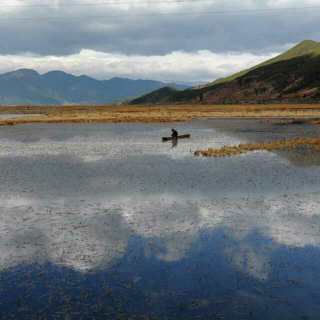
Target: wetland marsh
(105,221)
(156,113)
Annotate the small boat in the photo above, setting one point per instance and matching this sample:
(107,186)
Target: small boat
(179,137)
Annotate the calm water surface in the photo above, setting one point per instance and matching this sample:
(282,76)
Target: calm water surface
(105,221)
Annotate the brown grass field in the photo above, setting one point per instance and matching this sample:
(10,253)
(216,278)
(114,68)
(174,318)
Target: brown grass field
(154,113)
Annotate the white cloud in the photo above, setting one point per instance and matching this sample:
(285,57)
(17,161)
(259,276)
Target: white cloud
(178,65)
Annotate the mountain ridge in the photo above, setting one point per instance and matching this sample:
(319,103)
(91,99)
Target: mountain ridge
(28,87)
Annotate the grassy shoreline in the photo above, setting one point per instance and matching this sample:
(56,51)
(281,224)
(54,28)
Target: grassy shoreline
(153,113)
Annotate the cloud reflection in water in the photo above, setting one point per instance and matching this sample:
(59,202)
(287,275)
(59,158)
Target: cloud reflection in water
(91,236)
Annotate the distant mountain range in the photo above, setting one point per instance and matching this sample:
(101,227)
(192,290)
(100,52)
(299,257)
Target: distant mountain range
(293,77)
(187,83)
(28,87)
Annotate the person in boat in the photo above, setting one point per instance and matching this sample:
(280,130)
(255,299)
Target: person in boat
(174,133)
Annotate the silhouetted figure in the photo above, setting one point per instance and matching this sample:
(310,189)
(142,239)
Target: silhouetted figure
(174,134)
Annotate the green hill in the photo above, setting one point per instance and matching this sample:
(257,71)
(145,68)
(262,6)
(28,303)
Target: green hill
(155,96)
(293,76)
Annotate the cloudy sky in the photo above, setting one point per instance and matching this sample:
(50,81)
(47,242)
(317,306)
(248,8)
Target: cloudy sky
(151,40)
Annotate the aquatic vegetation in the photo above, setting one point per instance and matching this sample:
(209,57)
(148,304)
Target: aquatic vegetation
(268,146)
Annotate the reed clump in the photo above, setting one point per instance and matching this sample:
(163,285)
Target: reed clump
(268,146)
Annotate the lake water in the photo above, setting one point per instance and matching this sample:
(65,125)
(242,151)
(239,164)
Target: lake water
(6,116)
(105,221)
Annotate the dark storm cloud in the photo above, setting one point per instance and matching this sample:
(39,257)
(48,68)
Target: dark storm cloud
(255,32)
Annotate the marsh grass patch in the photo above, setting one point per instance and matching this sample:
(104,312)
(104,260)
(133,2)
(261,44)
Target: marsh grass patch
(284,144)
